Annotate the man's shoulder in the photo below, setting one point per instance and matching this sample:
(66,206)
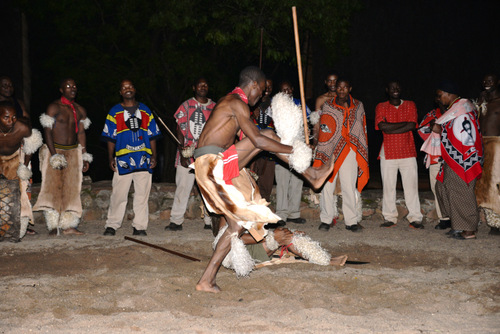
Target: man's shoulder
(409,104)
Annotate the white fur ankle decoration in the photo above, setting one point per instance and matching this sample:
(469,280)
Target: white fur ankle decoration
(24,172)
(87,157)
(58,161)
(492,218)
(32,143)
(301,156)
(68,220)
(311,250)
(51,218)
(271,243)
(314,117)
(47,121)
(238,257)
(86,123)
(287,118)
(24,226)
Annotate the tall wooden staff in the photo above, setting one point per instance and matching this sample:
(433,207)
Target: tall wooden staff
(301,81)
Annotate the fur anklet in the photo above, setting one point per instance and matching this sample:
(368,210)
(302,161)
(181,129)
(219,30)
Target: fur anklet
(271,243)
(301,156)
(311,250)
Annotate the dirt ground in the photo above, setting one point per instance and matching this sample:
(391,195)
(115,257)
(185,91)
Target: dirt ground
(417,281)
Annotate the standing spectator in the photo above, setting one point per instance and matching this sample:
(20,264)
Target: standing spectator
(488,196)
(288,184)
(460,145)
(397,119)
(342,137)
(433,162)
(62,160)
(191,117)
(7,94)
(331,85)
(131,132)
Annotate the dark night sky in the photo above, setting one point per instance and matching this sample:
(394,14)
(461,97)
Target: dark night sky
(418,43)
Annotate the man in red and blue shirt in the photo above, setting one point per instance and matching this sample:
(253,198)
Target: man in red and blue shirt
(397,119)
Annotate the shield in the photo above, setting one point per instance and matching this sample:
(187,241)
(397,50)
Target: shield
(10,210)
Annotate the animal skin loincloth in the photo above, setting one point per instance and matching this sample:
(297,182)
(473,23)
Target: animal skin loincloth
(239,200)
(60,190)
(488,186)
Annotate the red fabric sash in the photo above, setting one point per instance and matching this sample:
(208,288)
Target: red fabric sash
(230,164)
(241,94)
(67,102)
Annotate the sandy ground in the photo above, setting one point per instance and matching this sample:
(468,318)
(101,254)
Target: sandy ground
(417,281)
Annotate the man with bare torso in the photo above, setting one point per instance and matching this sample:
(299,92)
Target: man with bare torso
(226,187)
(62,160)
(331,85)
(488,196)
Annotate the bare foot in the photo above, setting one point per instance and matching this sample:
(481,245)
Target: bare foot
(72,231)
(338,261)
(316,176)
(207,287)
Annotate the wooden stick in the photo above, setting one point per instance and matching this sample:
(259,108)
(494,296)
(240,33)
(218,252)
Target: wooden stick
(163,249)
(301,80)
(166,127)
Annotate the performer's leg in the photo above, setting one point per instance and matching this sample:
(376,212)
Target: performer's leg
(118,200)
(142,188)
(409,176)
(389,172)
(282,175)
(348,174)
(184,181)
(294,196)
(207,280)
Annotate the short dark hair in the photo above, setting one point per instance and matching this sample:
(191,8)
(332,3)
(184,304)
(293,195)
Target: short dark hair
(61,83)
(335,73)
(250,74)
(339,80)
(392,81)
(198,79)
(6,104)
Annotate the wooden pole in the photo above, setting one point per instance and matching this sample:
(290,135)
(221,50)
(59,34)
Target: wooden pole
(301,80)
(166,127)
(162,248)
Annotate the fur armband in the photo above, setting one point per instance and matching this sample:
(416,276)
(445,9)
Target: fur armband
(87,157)
(24,172)
(58,161)
(314,117)
(47,121)
(311,250)
(287,118)
(271,243)
(32,143)
(86,123)
(301,156)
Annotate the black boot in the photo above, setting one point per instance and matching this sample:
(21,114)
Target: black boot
(443,224)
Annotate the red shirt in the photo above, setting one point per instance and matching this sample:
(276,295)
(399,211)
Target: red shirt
(398,145)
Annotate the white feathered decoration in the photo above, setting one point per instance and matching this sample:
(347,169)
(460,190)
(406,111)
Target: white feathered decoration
(32,143)
(47,121)
(287,118)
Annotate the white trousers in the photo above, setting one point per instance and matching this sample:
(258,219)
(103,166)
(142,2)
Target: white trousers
(119,196)
(433,172)
(409,175)
(184,181)
(348,174)
(288,193)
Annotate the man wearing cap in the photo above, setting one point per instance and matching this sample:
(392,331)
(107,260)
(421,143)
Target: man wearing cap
(457,138)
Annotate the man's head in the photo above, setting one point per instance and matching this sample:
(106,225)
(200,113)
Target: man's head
(6,87)
(7,116)
(490,82)
(200,88)
(286,87)
(393,89)
(253,80)
(447,92)
(68,88)
(127,89)
(343,88)
(269,87)
(331,82)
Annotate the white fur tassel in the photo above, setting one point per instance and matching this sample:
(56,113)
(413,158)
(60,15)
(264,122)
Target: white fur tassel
(47,121)
(238,257)
(314,117)
(287,118)
(86,123)
(271,243)
(87,157)
(32,143)
(311,250)
(492,218)
(58,161)
(24,172)
(301,156)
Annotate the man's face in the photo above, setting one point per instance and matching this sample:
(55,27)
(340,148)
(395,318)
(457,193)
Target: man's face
(127,89)
(394,90)
(256,92)
(269,87)
(443,97)
(490,83)
(201,89)
(6,88)
(331,83)
(68,89)
(343,89)
(7,118)
(286,88)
